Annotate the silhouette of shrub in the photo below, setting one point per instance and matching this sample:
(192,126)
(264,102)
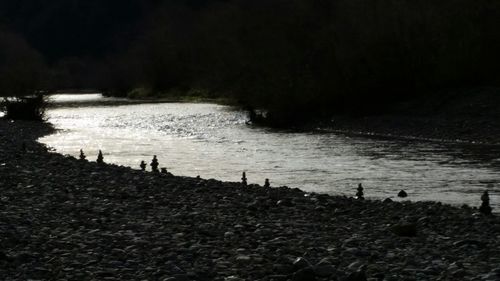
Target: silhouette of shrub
(25,108)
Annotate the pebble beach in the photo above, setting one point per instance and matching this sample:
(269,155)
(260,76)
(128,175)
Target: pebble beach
(63,218)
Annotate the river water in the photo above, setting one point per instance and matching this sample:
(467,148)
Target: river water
(213,141)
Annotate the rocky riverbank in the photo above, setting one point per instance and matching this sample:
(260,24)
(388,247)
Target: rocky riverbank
(484,131)
(463,116)
(68,219)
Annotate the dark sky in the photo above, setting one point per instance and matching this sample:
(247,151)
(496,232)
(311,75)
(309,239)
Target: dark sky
(82,28)
(61,28)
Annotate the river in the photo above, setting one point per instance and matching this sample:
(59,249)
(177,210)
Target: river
(213,141)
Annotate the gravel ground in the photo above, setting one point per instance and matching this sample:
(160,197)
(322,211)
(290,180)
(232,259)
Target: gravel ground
(68,219)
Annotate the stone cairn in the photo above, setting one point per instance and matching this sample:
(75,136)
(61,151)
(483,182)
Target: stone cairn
(244,179)
(100,158)
(359,194)
(485,205)
(82,155)
(143,165)
(402,194)
(267,184)
(154,164)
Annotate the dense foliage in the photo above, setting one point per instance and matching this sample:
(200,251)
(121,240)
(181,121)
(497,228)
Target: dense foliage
(295,58)
(21,67)
(25,107)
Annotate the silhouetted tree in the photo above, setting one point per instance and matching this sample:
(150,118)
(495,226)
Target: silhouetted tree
(21,78)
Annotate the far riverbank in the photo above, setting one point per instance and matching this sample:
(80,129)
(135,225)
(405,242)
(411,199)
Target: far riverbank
(470,116)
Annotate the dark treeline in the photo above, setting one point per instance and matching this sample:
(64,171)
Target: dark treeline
(296,58)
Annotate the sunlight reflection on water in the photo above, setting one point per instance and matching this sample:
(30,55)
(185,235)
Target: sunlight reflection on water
(213,141)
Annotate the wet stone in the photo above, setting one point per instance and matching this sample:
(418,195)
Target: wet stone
(301,263)
(356,276)
(404,229)
(243,259)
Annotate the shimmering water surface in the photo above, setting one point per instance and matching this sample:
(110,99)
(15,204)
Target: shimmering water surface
(213,141)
